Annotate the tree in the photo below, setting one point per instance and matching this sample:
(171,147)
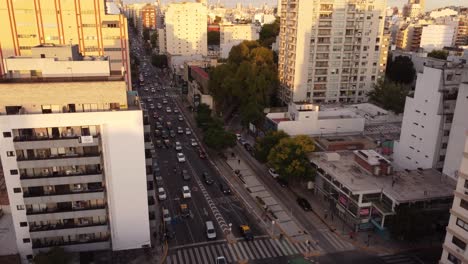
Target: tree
(213,38)
(219,139)
(154,39)
(146,34)
(401,70)
(389,95)
(266,143)
(268,33)
(55,255)
(159,61)
(289,158)
(438,54)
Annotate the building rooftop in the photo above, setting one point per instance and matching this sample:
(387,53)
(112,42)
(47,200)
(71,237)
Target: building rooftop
(111,78)
(409,186)
(200,72)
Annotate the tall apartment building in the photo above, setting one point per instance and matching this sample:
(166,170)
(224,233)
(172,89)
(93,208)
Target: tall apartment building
(437,37)
(330,51)
(148,16)
(414,8)
(186,29)
(428,119)
(96,26)
(461,37)
(454,248)
(70,180)
(143,15)
(234,34)
(409,37)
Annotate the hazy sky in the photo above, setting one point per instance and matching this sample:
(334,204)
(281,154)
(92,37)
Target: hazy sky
(430,4)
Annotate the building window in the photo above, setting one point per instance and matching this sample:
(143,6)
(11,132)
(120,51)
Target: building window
(462,224)
(23,224)
(444,145)
(6,134)
(26,240)
(453,259)
(14,172)
(16,190)
(10,153)
(458,242)
(20,207)
(29,257)
(464,204)
(442,158)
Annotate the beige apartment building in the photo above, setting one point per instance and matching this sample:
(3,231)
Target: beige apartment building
(96,26)
(454,248)
(330,51)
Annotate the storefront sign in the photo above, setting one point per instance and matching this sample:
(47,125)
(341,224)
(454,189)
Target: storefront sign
(343,200)
(364,211)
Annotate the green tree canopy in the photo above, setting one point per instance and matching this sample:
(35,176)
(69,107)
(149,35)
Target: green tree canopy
(289,158)
(159,61)
(213,38)
(389,95)
(219,139)
(146,34)
(247,81)
(266,143)
(55,255)
(400,70)
(154,39)
(438,54)
(268,33)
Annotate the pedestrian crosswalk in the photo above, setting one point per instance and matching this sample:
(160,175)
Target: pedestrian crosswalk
(240,251)
(400,259)
(337,243)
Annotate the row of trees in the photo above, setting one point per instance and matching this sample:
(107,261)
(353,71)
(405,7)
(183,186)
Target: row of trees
(215,136)
(159,61)
(287,155)
(246,82)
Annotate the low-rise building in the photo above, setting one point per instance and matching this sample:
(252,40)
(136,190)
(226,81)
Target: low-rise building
(362,188)
(198,92)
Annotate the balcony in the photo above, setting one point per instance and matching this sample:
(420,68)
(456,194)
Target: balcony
(64,196)
(66,229)
(58,160)
(60,178)
(65,213)
(73,246)
(39,142)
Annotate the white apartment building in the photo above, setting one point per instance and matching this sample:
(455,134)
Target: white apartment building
(330,51)
(186,29)
(70,180)
(234,34)
(429,116)
(437,37)
(454,248)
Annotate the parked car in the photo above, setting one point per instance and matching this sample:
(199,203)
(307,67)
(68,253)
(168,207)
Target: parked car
(304,204)
(282,182)
(161,194)
(273,173)
(207,178)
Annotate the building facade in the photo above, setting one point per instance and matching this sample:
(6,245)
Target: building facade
(454,248)
(234,34)
(428,117)
(437,37)
(329,51)
(148,16)
(186,29)
(96,27)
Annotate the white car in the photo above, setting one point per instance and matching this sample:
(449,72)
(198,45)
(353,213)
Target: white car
(273,173)
(186,192)
(162,194)
(221,260)
(178,146)
(166,215)
(180,157)
(187,131)
(168,110)
(193,142)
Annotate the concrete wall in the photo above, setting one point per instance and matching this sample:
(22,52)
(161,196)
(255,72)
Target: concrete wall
(437,37)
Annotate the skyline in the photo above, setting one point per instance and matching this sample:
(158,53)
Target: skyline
(430,4)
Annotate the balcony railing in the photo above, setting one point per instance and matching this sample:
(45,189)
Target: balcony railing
(62,226)
(26,195)
(64,210)
(64,156)
(40,244)
(61,174)
(44,138)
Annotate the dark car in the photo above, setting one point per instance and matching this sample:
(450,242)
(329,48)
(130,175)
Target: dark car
(185,175)
(282,182)
(157,133)
(159,143)
(207,178)
(169,232)
(165,134)
(201,154)
(172,133)
(224,188)
(304,204)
